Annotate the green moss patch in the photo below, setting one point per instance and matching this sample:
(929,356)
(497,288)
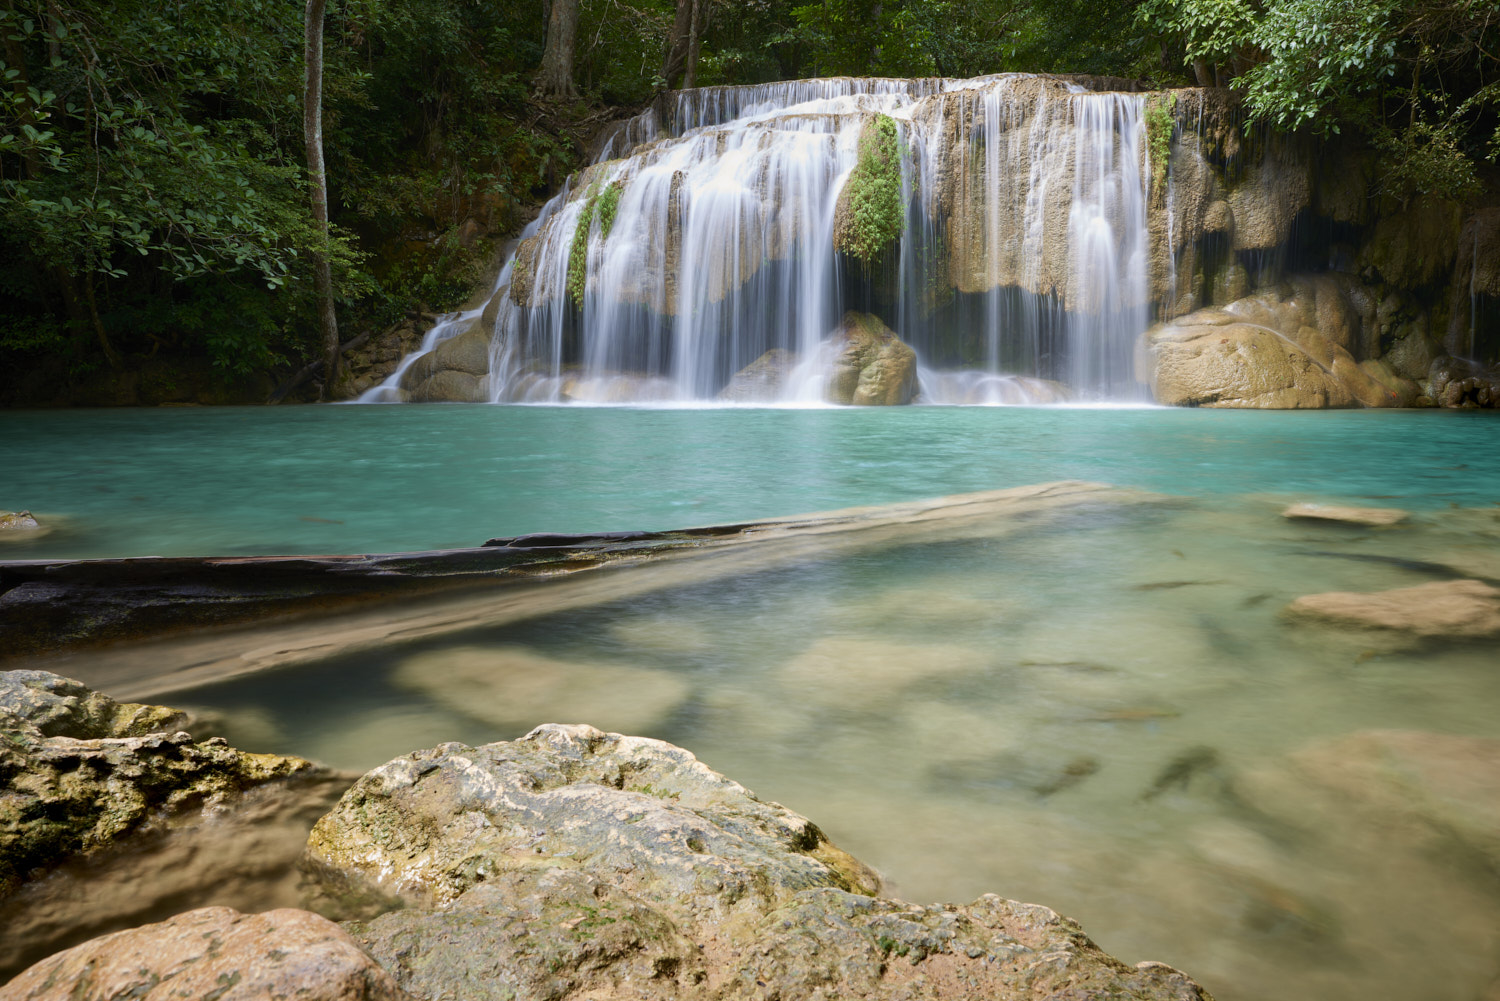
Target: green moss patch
(869,216)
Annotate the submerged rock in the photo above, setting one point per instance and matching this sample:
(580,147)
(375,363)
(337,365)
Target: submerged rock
(17,522)
(1455,609)
(873,367)
(1435,789)
(574,863)
(762,379)
(513,687)
(79,770)
(1374,516)
(213,953)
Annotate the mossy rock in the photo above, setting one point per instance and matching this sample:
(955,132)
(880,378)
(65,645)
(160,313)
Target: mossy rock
(78,771)
(868,218)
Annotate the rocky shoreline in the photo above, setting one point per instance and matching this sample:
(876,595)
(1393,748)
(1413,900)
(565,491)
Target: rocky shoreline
(570,863)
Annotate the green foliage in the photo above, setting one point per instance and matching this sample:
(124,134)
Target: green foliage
(1319,55)
(1426,158)
(609,204)
(871,215)
(578,251)
(1417,76)
(1161,123)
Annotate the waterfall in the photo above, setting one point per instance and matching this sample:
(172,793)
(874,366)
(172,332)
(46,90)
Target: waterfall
(704,238)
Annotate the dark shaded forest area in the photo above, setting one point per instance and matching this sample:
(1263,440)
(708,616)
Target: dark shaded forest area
(154,184)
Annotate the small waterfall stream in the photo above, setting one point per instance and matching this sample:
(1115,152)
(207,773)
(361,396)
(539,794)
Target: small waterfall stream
(1021,273)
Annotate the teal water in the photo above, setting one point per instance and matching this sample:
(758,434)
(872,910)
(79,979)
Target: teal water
(382,479)
(1104,709)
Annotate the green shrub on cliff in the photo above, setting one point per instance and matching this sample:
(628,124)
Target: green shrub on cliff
(869,216)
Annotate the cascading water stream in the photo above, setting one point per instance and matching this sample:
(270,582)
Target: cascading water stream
(1020,274)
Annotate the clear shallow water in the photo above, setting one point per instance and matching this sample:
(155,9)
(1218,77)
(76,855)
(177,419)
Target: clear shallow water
(1106,711)
(383,479)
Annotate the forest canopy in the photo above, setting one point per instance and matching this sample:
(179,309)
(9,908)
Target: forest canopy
(153,189)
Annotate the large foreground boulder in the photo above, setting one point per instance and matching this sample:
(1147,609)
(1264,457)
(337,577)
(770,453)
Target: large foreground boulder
(79,771)
(574,863)
(213,953)
(873,367)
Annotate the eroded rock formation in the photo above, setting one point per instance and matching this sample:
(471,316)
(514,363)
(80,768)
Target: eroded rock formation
(574,862)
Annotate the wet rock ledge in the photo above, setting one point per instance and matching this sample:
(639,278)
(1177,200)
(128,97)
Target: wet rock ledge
(574,864)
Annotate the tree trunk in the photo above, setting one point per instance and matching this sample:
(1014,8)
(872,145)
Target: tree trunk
(312,132)
(680,42)
(554,80)
(695,41)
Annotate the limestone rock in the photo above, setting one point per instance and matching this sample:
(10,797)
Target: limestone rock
(1416,246)
(638,812)
(1210,359)
(469,352)
(1457,382)
(1269,196)
(513,687)
(78,770)
(1295,345)
(573,864)
(18,523)
(873,367)
(1456,609)
(1352,515)
(450,386)
(762,379)
(213,953)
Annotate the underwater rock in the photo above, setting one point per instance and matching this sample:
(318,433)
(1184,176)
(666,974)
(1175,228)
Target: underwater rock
(574,863)
(868,673)
(762,379)
(1352,515)
(1430,788)
(514,687)
(873,368)
(78,771)
(17,522)
(1451,609)
(213,953)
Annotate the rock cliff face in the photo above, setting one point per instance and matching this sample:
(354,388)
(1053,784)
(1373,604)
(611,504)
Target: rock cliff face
(575,863)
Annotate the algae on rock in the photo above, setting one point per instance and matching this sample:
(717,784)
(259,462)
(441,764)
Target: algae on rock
(79,770)
(868,217)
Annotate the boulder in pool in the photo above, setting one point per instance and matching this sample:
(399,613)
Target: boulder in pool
(1372,516)
(873,366)
(1453,609)
(574,863)
(18,524)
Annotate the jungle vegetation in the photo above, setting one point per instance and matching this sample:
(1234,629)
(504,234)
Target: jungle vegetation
(154,188)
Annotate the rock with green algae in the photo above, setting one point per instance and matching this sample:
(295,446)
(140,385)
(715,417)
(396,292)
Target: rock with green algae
(869,216)
(79,771)
(873,367)
(574,863)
